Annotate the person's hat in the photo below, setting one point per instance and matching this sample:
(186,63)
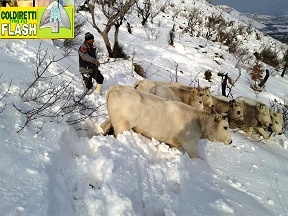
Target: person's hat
(88,36)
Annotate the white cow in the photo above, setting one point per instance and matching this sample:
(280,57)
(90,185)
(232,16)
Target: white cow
(172,122)
(190,97)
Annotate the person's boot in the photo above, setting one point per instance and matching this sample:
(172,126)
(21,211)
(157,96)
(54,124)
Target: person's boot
(98,88)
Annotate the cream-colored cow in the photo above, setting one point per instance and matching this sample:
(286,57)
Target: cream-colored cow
(277,123)
(256,116)
(172,122)
(206,97)
(232,107)
(146,85)
(190,97)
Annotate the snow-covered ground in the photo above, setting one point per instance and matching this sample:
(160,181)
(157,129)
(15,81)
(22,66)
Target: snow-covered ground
(53,168)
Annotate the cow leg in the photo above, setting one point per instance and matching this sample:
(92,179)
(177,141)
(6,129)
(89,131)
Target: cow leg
(191,147)
(121,126)
(261,131)
(106,126)
(250,131)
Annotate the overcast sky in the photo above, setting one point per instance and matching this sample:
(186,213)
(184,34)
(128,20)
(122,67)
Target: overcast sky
(265,7)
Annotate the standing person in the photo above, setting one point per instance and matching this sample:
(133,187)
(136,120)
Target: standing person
(88,64)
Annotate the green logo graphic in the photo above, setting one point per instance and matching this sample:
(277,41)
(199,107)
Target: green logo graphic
(56,21)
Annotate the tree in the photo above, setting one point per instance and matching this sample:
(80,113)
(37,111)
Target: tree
(114,12)
(150,9)
(145,11)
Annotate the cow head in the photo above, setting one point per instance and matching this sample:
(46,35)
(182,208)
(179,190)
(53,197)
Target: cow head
(277,122)
(195,100)
(236,110)
(263,115)
(206,96)
(218,130)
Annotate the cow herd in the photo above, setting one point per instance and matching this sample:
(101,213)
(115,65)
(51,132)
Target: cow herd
(180,115)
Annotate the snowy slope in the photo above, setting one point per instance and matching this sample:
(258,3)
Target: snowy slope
(53,168)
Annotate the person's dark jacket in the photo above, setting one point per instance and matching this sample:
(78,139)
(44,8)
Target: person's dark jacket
(87,58)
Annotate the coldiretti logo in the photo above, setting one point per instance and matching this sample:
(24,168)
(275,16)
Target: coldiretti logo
(53,21)
(19,23)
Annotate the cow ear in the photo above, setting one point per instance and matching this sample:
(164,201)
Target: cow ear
(217,118)
(259,106)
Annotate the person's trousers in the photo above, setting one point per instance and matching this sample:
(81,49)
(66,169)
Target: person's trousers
(96,74)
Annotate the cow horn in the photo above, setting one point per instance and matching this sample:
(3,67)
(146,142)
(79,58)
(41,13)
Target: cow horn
(219,117)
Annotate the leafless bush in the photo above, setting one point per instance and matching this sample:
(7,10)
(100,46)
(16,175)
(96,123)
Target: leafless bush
(213,22)
(153,33)
(139,70)
(42,67)
(174,76)
(144,10)
(208,75)
(157,7)
(193,19)
(50,98)
(256,74)
(268,56)
(249,28)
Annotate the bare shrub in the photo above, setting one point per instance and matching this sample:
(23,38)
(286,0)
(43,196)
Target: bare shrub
(256,74)
(193,19)
(153,32)
(144,10)
(208,75)
(139,70)
(49,96)
(268,56)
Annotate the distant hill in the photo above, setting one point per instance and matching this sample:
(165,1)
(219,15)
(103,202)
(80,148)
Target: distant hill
(276,27)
